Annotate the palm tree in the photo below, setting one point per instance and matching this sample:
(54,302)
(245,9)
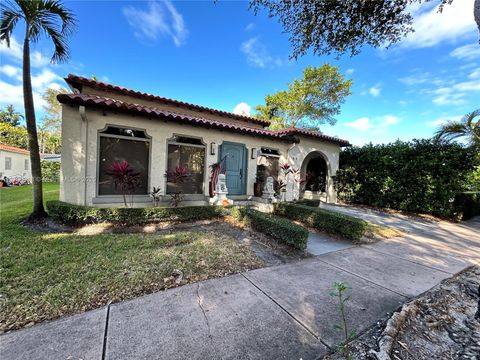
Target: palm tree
(41,17)
(468,127)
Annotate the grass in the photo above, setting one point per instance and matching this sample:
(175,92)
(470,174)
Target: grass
(47,275)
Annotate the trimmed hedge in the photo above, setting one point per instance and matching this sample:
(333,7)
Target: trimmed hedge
(308,202)
(468,204)
(78,214)
(330,222)
(279,228)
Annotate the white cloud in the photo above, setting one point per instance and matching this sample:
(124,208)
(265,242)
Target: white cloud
(257,54)
(432,27)
(443,120)
(467,52)
(44,79)
(11,71)
(161,19)
(375,90)
(250,27)
(242,109)
(378,124)
(475,74)
(362,124)
(446,96)
(389,120)
(15,53)
(349,71)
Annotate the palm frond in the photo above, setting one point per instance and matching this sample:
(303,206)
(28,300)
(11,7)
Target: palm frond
(9,16)
(467,128)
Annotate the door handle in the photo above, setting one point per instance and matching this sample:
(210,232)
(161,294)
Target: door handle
(241,174)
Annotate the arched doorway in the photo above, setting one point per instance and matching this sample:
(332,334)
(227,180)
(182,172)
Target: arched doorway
(314,174)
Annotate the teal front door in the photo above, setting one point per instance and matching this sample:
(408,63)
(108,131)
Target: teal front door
(235,167)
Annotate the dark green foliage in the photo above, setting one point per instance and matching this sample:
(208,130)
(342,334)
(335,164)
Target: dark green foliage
(50,171)
(279,228)
(420,176)
(330,222)
(77,214)
(468,204)
(308,202)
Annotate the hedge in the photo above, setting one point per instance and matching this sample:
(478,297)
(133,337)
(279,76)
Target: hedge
(279,228)
(420,176)
(330,222)
(78,215)
(468,205)
(308,202)
(50,171)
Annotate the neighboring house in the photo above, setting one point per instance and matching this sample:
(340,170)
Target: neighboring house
(14,162)
(104,123)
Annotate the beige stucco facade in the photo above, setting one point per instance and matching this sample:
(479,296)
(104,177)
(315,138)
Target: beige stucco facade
(80,151)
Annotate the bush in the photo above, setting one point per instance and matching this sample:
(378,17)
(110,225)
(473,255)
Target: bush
(308,202)
(330,222)
(78,215)
(420,176)
(50,171)
(467,205)
(279,228)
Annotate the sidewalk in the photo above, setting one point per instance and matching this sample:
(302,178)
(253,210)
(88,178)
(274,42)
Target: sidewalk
(282,312)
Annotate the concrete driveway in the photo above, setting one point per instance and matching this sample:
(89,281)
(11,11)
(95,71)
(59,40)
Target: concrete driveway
(282,312)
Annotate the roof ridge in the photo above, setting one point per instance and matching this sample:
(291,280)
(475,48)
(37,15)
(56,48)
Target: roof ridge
(71,78)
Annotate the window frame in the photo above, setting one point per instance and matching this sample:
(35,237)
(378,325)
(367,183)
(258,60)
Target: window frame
(169,141)
(100,134)
(9,158)
(26,166)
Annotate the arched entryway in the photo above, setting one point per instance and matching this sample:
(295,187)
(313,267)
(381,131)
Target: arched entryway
(315,174)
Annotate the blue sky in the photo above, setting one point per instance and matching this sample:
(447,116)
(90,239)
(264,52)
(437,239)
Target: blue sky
(221,55)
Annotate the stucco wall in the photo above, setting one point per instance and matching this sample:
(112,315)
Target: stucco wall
(80,162)
(18,164)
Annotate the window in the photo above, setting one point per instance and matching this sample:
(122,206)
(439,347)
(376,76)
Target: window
(267,165)
(188,153)
(8,163)
(27,164)
(117,144)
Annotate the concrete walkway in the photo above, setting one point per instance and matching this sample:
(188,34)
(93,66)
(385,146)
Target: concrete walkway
(282,312)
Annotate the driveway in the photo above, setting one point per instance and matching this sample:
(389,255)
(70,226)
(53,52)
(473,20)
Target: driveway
(281,312)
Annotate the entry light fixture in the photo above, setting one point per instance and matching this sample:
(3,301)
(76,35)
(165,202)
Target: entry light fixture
(213,148)
(254,153)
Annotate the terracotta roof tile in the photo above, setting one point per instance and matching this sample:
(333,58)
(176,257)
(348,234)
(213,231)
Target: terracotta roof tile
(74,79)
(14,149)
(121,106)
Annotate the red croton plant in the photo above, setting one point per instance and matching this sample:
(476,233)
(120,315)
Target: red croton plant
(125,178)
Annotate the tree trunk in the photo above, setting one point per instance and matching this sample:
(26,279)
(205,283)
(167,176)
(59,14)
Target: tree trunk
(476,14)
(38,209)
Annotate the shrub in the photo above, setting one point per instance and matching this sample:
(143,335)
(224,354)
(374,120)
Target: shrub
(420,176)
(308,202)
(467,205)
(50,171)
(78,215)
(279,228)
(330,222)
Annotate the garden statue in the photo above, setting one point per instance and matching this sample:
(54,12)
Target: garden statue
(268,190)
(221,192)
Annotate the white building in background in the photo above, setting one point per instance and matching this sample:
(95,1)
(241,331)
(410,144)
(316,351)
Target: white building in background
(14,162)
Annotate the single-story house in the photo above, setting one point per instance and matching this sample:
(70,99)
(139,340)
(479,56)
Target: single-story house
(14,162)
(103,124)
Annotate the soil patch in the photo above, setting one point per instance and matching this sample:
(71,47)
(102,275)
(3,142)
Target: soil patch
(443,323)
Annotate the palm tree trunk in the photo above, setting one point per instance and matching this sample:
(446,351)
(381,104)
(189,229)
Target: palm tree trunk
(38,210)
(476,13)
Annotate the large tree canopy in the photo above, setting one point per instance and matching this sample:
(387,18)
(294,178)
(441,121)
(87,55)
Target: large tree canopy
(343,26)
(309,102)
(10,116)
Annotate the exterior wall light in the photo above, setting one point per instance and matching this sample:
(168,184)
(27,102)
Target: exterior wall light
(213,148)
(254,153)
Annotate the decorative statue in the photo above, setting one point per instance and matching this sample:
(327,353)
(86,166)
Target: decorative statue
(268,190)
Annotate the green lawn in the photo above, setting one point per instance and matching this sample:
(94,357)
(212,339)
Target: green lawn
(47,275)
